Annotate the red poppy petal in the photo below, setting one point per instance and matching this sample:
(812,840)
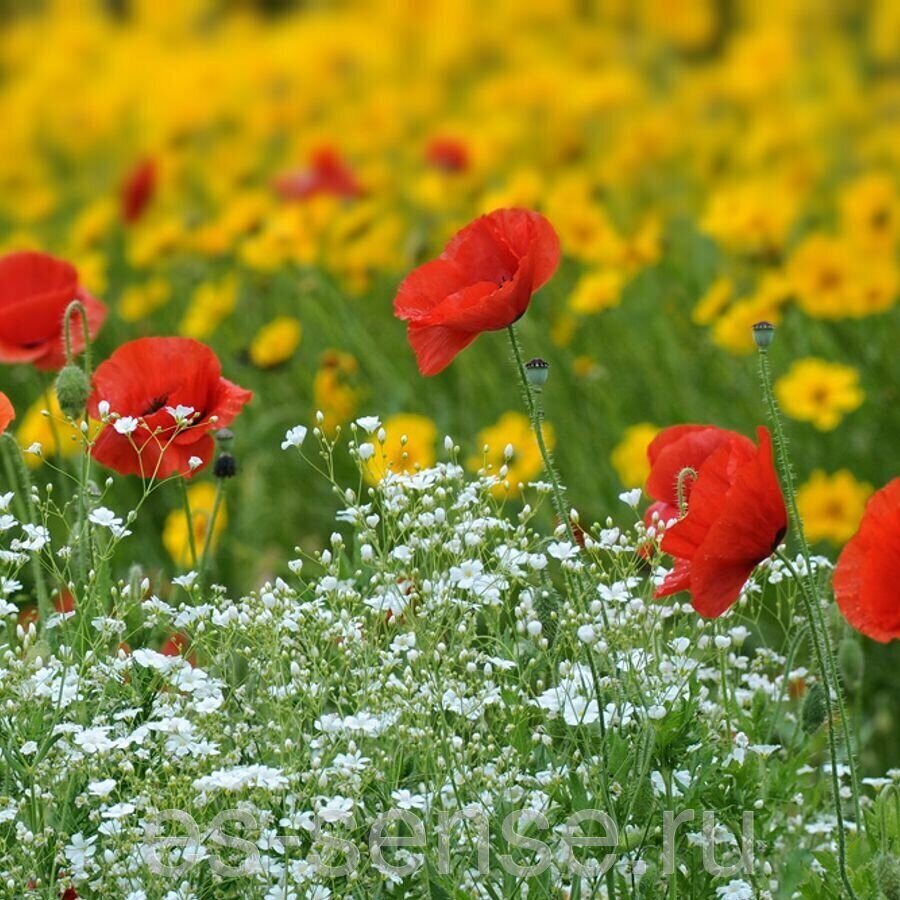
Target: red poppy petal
(436,346)
(7,413)
(528,233)
(679,579)
(427,286)
(478,252)
(716,584)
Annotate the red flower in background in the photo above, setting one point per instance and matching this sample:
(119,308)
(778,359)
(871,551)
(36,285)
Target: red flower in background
(867,576)
(327,173)
(675,449)
(176,645)
(145,379)
(447,154)
(735,519)
(483,281)
(7,413)
(35,290)
(137,190)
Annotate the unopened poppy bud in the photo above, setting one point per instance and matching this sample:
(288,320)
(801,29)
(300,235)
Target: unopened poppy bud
(850,659)
(538,371)
(72,390)
(814,710)
(225,467)
(763,334)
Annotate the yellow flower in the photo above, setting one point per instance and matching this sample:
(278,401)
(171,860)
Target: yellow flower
(751,216)
(408,446)
(821,274)
(334,390)
(275,342)
(524,464)
(870,212)
(831,506)
(176,538)
(56,436)
(596,291)
(733,330)
(210,303)
(713,301)
(140,300)
(629,456)
(820,392)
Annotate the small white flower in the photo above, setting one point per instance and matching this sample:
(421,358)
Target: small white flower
(366,451)
(181,414)
(126,425)
(632,498)
(103,788)
(103,409)
(294,437)
(194,463)
(35,449)
(369,424)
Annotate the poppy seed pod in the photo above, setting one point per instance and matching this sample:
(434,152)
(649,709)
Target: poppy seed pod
(537,371)
(72,390)
(225,466)
(763,334)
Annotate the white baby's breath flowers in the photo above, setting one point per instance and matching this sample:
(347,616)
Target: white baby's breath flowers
(294,437)
(126,425)
(369,424)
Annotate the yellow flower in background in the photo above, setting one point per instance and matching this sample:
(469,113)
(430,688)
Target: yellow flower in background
(713,302)
(210,304)
(524,464)
(408,446)
(629,456)
(335,392)
(751,216)
(596,291)
(154,242)
(821,273)
(56,436)
(733,330)
(831,506)
(94,224)
(870,213)
(820,392)
(276,342)
(176,537)
(140,300)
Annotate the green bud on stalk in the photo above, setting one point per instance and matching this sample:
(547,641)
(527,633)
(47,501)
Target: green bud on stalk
(72,390)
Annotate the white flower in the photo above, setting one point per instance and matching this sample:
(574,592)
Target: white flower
(587,634)
(126,425)
(118,811)
(181,414)
(94,740)
(369,424)
(562,550)
(294,437)
(103,409)
(366,451)
(632,497)
(194,463)
(337,809)
(736,889)
(103,788)
(35,449)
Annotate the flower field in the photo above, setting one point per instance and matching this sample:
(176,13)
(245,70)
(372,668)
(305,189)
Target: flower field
(449,449)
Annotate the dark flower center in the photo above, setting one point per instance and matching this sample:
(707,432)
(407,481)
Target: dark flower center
(155,405)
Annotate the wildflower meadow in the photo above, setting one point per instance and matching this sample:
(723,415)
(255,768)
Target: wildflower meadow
(449,450)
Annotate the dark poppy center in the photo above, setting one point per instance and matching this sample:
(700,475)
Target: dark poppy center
(156,404)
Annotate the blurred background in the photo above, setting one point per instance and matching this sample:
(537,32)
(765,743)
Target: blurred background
(261,175)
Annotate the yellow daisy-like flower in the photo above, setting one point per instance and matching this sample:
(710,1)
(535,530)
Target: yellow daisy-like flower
(56,436)
(870,212)
(629,456)
(408,446)
(334,389)
(821,273)
(210,303)
(140,300)
(276,342)
(832,506)
(596,291)
(524,463)
(820,392)
(713,302)
(175,536)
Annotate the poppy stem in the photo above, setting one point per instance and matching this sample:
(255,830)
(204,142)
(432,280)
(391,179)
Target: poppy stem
(189,522)
(76,306)
(818,627)
(210,528)
(536,414)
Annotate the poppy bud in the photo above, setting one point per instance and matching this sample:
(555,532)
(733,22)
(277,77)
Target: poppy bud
(72,390)
(814,710)
(850,659)
(224,439)
(537,371)
(225,467)
(763,334)
(887,875)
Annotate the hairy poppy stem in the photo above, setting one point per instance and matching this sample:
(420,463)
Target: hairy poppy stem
(818,628)
(76,306)
(536,414)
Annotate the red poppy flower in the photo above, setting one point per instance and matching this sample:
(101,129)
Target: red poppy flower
(327,173)
(138,190)
(35,290)
(673,450)
(144,382)
(447,154)
(7,413)
(735,519)
(868,570)
(483,281)
(176,645)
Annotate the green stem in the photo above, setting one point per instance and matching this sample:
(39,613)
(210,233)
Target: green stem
(818,628)
(17,472)
(536,414)
(210,528)
(189,521)
(71,309)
